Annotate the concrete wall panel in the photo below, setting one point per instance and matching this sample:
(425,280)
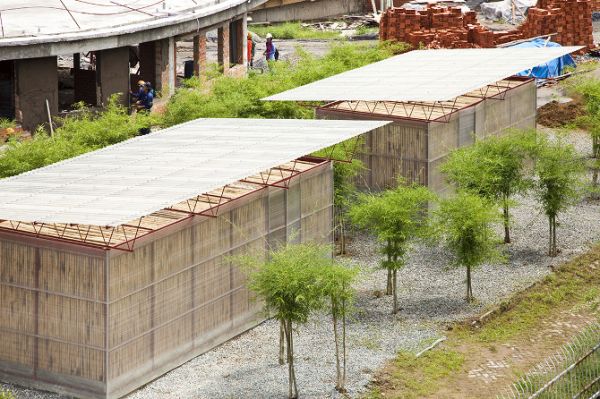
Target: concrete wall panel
(112,74)
(37,81)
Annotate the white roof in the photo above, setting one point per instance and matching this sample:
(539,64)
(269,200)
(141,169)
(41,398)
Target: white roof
(424,75)
(33,21)
(137,177)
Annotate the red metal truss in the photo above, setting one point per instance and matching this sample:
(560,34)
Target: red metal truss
(124,236)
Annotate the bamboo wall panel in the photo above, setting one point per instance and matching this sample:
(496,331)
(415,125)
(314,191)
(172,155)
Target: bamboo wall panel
(443,137)
(130,316)
(211,316)
(211,280)
(130,271)
(318,227)
(173,297)
(211,237)
(293,203)
(72,360)
(136,355)
(72,274)
(17,263)
(172,254)
(248,222)
(72,320)
(497,115)
(16,348)
(17,309)
(316,192)
(277,209)
(172,339)
(387,170)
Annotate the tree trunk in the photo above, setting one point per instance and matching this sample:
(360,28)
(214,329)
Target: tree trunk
(388,288)
(469,289)
(282,339)
(292,388)
(506,221)
(342,237)
(554,247)
(395,289)
(343,382)
(338,373)
(550,236)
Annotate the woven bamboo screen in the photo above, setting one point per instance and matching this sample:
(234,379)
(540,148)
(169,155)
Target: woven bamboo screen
(100,324)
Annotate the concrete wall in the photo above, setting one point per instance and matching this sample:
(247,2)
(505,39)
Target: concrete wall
(278,11)
(37,81)
(112,74)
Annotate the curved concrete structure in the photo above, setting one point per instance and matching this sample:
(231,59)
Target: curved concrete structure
(34,33)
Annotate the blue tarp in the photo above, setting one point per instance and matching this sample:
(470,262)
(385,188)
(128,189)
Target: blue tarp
(550,69)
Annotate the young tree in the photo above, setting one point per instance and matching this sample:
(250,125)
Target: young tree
(494,168)
(337,286)
(396,216)
(465,223)
(344,175)
(558,168)
(291,286)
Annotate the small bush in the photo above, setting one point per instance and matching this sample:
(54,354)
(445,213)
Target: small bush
(6,394)
(7,123)
(293,30)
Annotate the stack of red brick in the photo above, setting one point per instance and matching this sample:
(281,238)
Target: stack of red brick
(441,27)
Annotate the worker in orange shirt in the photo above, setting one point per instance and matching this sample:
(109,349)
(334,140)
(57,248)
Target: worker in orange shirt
(251,50)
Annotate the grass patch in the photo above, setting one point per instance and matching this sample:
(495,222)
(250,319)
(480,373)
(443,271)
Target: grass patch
(293,30)
(576,281)
(364,30)
(418,377)
(7,123)
(574,285)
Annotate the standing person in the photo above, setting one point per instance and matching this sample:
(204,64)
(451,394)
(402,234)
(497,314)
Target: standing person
(271,51)
(251,50)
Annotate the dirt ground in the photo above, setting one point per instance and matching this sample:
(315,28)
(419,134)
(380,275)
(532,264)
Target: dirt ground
(557,114)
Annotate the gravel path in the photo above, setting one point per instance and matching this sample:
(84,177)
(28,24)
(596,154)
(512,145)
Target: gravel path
(431,294)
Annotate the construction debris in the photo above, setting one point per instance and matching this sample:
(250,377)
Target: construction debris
(449,27)
(347,22)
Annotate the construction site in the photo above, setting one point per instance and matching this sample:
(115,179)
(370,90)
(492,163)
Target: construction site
(125,229)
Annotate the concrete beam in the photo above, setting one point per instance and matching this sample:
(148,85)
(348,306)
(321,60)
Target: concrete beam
(36,81)
(302,10)
(112,75)
(58,46)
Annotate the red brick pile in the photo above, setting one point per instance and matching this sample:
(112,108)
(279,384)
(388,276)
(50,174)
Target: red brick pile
(443,27)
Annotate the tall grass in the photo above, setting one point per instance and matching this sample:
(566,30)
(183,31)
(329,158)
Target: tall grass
(240,98)
(293,30)
(77,135)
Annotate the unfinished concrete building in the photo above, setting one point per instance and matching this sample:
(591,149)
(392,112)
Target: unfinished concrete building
(438,100)
(119,42)
(115,265)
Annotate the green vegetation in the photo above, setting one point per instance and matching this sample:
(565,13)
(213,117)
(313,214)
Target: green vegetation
(558,169)
(418,377)
(397,217)
(364,30)
(495,169)
(7,123)
(231,97)
(77,135)
(6,394)
(295,281)
(575,282)
(293,30)
(572,287)
(589,89)
(465,222)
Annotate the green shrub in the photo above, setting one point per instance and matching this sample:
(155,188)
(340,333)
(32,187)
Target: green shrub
(5,123)
(231,97)
(77,135)
(6,394)
(293,30)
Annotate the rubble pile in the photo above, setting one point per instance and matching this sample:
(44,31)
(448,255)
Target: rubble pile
(449,27)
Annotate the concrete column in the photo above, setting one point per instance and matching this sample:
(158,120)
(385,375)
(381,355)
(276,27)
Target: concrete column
(112,75)
(200,55)
(223,47)
(76,61)
(36,81)
(165,67)
(244,33)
